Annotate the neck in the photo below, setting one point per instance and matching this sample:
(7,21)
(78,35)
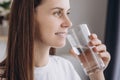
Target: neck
(41,54)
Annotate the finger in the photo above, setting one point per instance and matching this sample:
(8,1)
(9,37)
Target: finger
(105,57)
(100,48)
(95,42)
(93,36)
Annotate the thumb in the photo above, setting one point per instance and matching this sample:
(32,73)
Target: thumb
(71,51)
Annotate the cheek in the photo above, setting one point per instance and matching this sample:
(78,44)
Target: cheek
(46,29)
(50,39)
(37,31)
(50,21)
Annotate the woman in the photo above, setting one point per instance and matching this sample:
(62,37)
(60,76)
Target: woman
(37,27)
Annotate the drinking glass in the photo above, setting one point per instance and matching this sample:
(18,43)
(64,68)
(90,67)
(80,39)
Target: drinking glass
(78,38)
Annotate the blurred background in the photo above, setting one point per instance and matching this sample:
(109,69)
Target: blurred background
(4,13)
(101,16)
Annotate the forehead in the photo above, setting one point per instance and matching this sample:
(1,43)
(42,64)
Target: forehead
(65,4)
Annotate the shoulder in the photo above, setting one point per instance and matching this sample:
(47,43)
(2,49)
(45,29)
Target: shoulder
(66,66)
(61,62)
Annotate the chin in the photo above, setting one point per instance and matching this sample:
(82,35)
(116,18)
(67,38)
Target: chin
(59,45)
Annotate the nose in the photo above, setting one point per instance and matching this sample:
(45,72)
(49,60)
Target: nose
(66,22)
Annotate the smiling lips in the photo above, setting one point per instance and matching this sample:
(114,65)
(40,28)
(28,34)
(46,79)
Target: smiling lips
(61,34)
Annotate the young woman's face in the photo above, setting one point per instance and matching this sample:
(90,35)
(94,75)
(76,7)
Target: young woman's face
(52,22)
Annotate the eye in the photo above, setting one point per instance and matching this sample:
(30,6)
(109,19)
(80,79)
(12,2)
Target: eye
(68,13)
(58,13)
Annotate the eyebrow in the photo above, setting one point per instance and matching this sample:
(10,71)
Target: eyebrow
(59,8)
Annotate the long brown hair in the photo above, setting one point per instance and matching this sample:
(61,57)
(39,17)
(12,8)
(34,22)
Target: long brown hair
(20,48)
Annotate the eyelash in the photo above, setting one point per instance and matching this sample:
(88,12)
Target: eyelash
(68,13)
(59,13)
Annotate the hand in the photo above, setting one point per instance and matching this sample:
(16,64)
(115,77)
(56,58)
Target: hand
(98,48)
